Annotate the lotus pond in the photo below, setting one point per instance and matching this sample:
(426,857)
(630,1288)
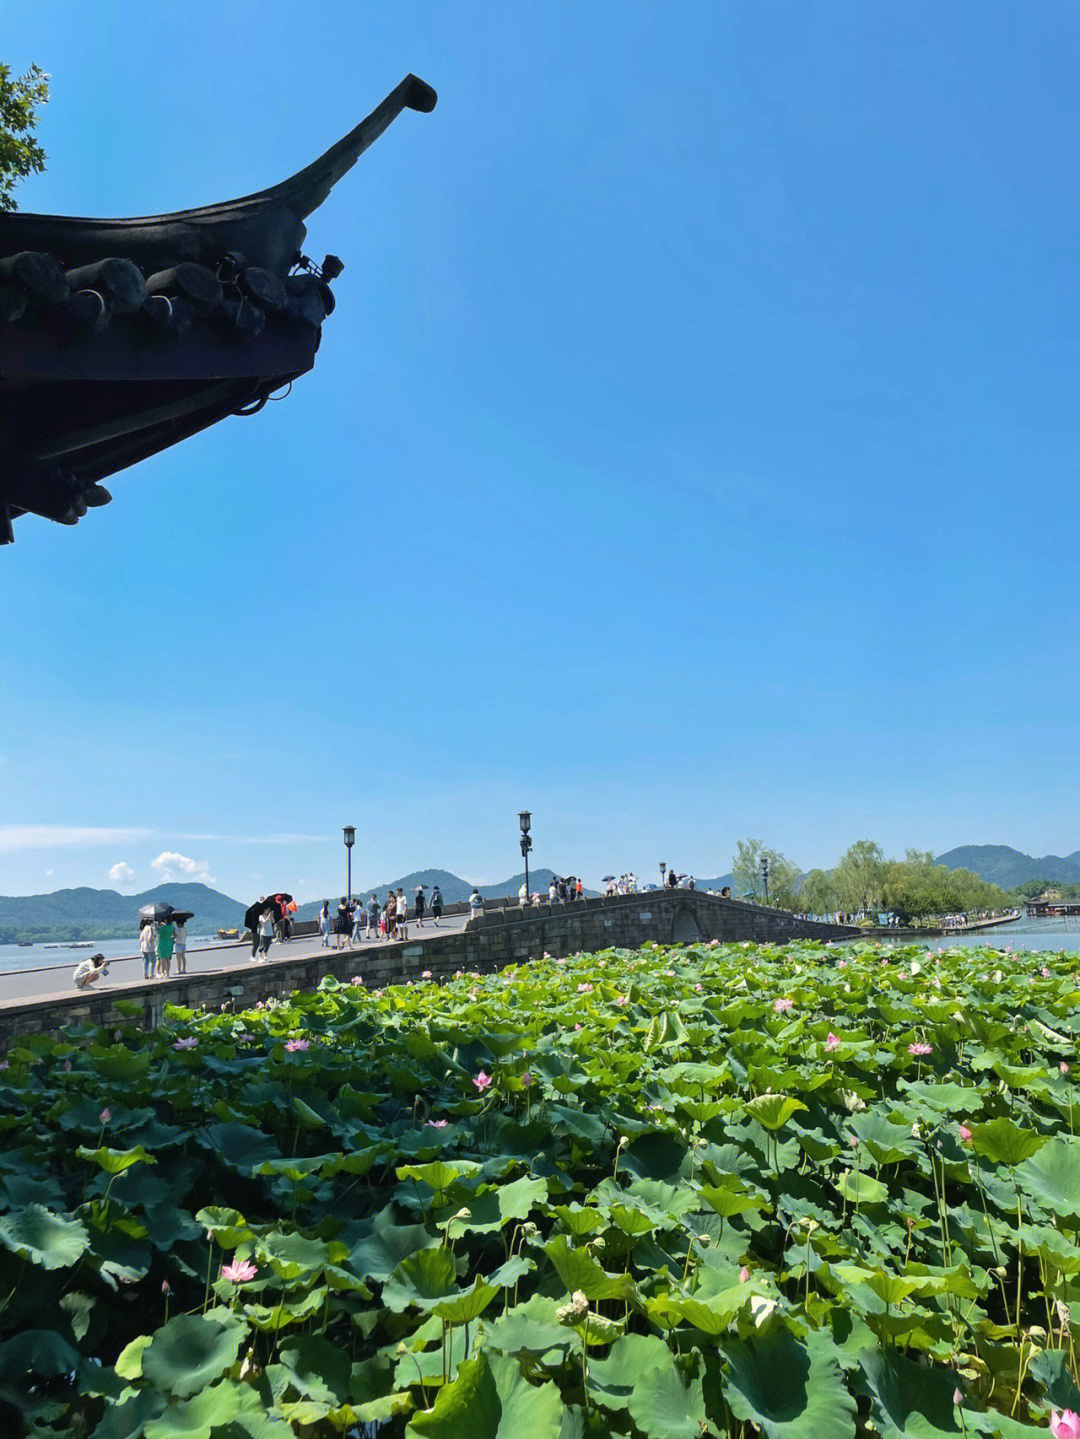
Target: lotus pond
(800,1192)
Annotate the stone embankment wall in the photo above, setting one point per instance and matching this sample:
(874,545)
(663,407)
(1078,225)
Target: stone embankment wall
(495,939)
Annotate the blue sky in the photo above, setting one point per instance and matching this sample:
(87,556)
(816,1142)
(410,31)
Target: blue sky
(692,455)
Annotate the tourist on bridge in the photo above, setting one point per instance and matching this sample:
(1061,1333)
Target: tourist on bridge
(90,971)
(358,918)
(266,933)
(343,924)
(402,914)
(476,904)
(324,923)
(180,946)
(147,947)
(166,934)
(436,905)
(420,906)
(390,915)
(373,911)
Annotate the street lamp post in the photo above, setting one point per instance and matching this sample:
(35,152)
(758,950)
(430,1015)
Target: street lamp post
(350,840)
(663,871)
(525,821)
(765,875)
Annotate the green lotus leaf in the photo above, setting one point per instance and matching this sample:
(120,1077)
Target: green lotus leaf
(314,1367)
(190,1352)
(633,1221)
(907,1400)
(35,1233)
(381,1245)
(612,1380)
(790,1388)
(466,1306)
(42,1352)
(1051,1368)
(887,1142)
(115,1161)
(531,1326)
(126,1420)
(578,1270)
(211,1410)
(358,1161)
(578,1220)
(772,1111)
(239,1146)
(292,1257)
(228,1226)
(270,1318)
(1052,1176)
(422,1280)
(858,1187)
(491,1399)
(308,1117)
(518,1199)
(437,1175)
(129,1364)
(1005,1142)
(664,1407)
(726,1202)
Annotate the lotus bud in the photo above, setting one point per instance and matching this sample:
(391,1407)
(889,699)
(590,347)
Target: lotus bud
(704,1240)
(999,1270)
(402,1348)
(599,1242)
(463,1214)
(623,1142)
(957,1398)
(744,1274)
(528,1227)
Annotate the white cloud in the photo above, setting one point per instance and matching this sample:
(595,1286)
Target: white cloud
(121,873)
(174,866)
(15,837)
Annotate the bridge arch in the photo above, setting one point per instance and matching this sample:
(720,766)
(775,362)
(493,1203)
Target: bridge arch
(684,926)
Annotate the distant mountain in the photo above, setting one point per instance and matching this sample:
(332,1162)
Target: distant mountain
(998,864)
(105,914)
(718,883)
(455,890)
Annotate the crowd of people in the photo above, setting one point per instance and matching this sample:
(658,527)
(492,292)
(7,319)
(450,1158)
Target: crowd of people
(161,941)
(354,921)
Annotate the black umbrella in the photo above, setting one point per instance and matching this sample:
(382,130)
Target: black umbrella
(181,916)
(281,900)
(606,878)
(158,910)
(253,914)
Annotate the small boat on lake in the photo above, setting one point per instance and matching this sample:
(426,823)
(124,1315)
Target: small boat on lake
(228,934)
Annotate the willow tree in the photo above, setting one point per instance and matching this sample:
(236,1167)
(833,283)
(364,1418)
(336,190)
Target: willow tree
(20,153)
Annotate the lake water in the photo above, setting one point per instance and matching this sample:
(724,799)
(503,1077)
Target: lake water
(1033,934)
(14,956)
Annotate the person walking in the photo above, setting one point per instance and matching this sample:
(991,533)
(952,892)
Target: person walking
(324,923)
(342,927)
(373,912)
(266,933)
(180,946)
(476,904)
(147,947)
(419,906)
(523,895)
(402,914)
(436,905)
(165,935)
(553,891)
(359,914)
(390,915)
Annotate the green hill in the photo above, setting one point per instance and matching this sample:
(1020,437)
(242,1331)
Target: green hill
(1007,867)
(73,914)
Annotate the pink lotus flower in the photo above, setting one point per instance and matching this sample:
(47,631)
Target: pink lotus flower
(189,1043)
(293,1045)
(965,1134)
(622,999)
(1063,1067)
(105,1115)
(1044,972)
(841,964)
(920,1049)
(426,974)
(783,1005)
(744,1274)
(577,1026)
(831,1042)
(1065,1425)
(436,1123)
(482,1081)
(698,988)
(244,1038)
(166,1287)
(357,979)
(584,989)
(526,1080)
(67,1066)
(239,1272)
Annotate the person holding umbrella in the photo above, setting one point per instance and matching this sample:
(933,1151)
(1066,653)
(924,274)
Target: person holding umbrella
(180,920)
(252,916)
(266,932)
(166,935)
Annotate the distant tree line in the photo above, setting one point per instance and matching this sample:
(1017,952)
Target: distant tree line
(864,881)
